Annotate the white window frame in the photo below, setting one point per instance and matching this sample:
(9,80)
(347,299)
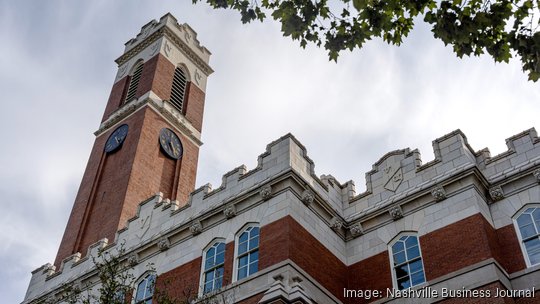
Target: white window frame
(236,245)
(518,232)
(391,255)
(139,281)
(201,279)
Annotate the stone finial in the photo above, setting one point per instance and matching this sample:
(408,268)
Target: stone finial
(438,193)
(266,192)
(536,174)
(336,224)
(396,212)
(496,193)
(164,244)
(195,228)
(356,230)
(308,197)
(230,211)
(133,259)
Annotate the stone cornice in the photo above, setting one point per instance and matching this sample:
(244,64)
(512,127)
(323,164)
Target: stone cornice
(181,45)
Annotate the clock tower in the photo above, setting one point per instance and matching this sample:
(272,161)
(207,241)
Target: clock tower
(149,138)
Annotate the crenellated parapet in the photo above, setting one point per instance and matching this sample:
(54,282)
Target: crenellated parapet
(398,185)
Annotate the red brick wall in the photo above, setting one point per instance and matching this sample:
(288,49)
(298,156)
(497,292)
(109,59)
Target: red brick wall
(510,254)
(116,97)
(373,273)
(180,283)
(194,108)
(157,76)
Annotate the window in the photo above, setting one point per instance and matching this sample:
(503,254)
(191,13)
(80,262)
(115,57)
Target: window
(248,252)
(528,224)
(406,258)
(145,290)
(214,258)
(178,89)
(134,82)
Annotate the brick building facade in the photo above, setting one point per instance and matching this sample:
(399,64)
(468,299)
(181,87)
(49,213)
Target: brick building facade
(465,226)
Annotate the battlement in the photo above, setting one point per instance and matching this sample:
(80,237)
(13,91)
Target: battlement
(397,175)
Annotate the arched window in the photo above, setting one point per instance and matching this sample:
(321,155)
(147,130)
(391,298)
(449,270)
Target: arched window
(214,259)
(145,290)
(134,82)
(528,224)
(406,259)
(178,90)
(247,252)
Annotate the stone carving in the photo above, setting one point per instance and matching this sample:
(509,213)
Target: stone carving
(308,197)
(145,225)
(196,227)
(336,224)
(230,211)
(132,260)
(356,230)
(198,77)
(496,193)
(187,36)
(154,48)
(396,212)
(438,193)
(266,192)
(536,174)
(163,244)
(167,48)
(392,176)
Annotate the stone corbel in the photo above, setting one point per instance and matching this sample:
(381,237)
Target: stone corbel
(438,193)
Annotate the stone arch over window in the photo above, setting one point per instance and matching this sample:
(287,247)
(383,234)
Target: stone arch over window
(406,261)
(144,290)
(179,87)
(134,80)
(212,269)
(527,224)
(246,253)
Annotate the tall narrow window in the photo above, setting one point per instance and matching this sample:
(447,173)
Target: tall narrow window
(134,82)
(214,258)
(178,89)
(145,290)
(248,252)
(408,270)
(528,224)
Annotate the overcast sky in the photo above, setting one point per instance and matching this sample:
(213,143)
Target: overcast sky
(57,68)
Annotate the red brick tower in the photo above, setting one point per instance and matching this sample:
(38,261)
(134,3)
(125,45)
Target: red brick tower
(149,137)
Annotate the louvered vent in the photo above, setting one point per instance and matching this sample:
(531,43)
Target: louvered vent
(178,89)
(134,83)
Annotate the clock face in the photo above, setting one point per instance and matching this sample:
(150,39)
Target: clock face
(116,139)
(170,143)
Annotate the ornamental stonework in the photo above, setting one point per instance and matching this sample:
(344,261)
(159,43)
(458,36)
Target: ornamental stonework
(396,213)
(266,192)
(496,193)
(356,230)
(195,228)
(163,244)
(438,193)
(308,197)
(336,224)
(229,211)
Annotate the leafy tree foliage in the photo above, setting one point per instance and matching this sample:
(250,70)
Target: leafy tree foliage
(502,28)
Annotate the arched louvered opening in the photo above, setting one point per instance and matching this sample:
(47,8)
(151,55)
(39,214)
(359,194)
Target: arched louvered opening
(178,89)
(134,82)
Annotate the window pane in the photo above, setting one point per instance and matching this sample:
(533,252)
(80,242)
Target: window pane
(534,257)
(242,247)
(255,231)
(220,258)
(404,283)
(527,231)
(402,271)
(524,219)
(399,258)
(398,246)
(221,247)
(243,237)
(209,276)
(413,252)
(207,287)
(242,272)
(417,278)
(254,243)
(253,267)
(243,261)
(140,290)
(533,250)
(254,256)
(415,266)
(411,241)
